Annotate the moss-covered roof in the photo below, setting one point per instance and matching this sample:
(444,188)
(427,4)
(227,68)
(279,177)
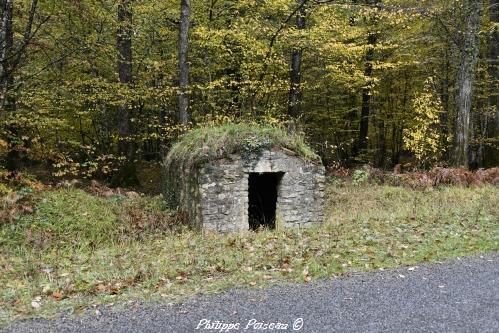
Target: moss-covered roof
(205,144)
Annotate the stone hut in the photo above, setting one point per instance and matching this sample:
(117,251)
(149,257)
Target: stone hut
(238,177)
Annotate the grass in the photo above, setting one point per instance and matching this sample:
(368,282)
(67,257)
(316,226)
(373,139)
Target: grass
(208,143)
(78,250)
(74,219)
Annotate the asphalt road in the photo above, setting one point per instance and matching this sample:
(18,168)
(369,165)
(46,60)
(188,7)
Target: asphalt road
(455,296)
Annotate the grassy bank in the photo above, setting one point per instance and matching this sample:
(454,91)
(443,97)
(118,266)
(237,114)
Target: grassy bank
(76,249)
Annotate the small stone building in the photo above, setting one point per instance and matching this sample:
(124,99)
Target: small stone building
(239,177)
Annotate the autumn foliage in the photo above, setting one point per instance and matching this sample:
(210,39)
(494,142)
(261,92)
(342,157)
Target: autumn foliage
(89,88)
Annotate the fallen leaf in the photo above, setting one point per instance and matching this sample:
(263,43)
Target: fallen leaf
(57,295)
(27,209)
(132,194)
(101,287)
(306,277)
(35,304)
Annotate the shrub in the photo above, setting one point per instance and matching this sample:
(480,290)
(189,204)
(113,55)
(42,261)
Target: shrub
(360,176)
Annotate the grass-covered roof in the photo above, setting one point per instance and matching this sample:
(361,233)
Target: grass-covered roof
(214,142)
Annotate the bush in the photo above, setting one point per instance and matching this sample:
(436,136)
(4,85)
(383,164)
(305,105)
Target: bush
(360,177)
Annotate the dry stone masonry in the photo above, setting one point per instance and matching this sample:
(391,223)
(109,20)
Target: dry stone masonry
(273,188)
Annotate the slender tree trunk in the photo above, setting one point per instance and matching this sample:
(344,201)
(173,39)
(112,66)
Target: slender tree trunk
(7,103)
(365,111)
(10,61)
(10,58)
(295,92)
(366,94)
(126,175)
(494,58)
(124,44)
(469,56)
(7,100)
(445,97)
(397,128)
(381,151)
(183,65)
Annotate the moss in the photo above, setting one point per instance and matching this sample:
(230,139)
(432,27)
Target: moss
(210,143)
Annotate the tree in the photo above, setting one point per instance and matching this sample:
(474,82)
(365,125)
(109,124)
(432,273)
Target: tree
(10,61)
(126,147)
(372,39)
(94,91)
(423,136)
(295,93)
(469,50)
(124,46)
(6,55)
(492,151)
(183,65)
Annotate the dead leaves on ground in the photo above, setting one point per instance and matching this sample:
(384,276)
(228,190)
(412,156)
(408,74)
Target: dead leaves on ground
(421,179)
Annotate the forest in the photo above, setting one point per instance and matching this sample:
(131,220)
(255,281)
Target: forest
(88,88)
(154,152)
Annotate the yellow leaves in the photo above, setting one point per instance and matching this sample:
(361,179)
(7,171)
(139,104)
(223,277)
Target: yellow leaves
(422,136)
(3,146)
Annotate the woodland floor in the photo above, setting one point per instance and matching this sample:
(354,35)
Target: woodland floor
(65,249)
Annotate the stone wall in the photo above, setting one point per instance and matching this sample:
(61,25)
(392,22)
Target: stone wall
(215,196)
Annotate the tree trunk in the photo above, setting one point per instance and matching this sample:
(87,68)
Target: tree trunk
(494,58)
(7,100)
(126,175)
(295,93)
(183,65)
(446,89)
(366,95)
(469,56)
(124,43)
(10,61)
(7,103)
(380,157)
(491,153)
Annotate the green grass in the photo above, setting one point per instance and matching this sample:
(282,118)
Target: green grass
(78,250)
(208,143)
(74,219)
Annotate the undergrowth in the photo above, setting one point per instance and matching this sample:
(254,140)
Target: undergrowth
(70,217)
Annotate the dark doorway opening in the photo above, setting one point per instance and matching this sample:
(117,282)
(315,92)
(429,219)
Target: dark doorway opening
(263,199)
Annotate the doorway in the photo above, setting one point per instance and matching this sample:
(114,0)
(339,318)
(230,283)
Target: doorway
(263,199)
